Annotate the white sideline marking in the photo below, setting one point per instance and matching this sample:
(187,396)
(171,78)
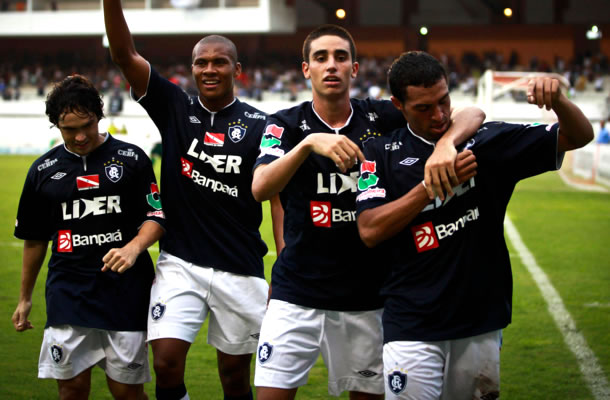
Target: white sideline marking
(581,186)
(587,362)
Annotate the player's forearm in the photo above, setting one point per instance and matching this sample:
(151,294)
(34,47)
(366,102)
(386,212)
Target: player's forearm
(149,233)
(381,223)
(34,252)
(270,179)
(575,130)
(464,124)
(277,218)
(119,36)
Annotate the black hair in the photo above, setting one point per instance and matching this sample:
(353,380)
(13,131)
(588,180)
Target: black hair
(218,39)
(414,68)
(74,94)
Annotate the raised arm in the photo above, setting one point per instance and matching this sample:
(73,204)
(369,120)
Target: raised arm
(120,260)
(440,172)
(34,252)
(122,50)
(575,130)
(270,179)
(378,224)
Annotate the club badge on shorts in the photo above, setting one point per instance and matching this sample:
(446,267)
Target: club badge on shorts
(57,353)
(157,311)
(264,352)
(397,382)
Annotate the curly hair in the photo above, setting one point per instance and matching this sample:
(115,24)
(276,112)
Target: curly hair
(74,94)
(414,68)
(328,30)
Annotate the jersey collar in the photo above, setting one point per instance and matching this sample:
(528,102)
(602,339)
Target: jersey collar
(336,130)
(433,144)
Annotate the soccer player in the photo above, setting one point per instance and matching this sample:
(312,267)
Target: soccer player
(212,255)
(450,289)
(96,199)
(325,282)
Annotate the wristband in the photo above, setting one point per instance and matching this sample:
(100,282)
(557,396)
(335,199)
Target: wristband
(423,182)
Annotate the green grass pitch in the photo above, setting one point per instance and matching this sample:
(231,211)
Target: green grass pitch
(568,231)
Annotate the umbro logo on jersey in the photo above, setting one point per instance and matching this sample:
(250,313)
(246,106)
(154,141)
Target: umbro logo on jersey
(409,161)
(194,119)
(88,182)
(214,139)
(58,176)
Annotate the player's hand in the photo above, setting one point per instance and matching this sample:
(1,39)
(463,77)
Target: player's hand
(119,260)
(341,150)
(543,91)
(439,172)
(20,316)
(465,166)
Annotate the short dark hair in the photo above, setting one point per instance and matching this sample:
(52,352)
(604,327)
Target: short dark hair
(414,68)
(218,39)
(328,30)
(74,94)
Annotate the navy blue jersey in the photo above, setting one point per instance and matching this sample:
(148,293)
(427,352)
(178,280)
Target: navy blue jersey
(87,206)
(451,276)
(324,264)
(206,179)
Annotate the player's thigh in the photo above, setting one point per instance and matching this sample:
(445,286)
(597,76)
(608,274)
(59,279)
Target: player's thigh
(237,306)
(473,368)
(352,347)
(76,388)
(126,358)
(123,391)
(68,350)
(178,299)
(413,370)
(289,345)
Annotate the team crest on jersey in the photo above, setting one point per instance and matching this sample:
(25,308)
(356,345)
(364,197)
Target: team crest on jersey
(264,353)
(368,135)
(57,353)
(157,311)
(237,131)
(397,382)
(114,170)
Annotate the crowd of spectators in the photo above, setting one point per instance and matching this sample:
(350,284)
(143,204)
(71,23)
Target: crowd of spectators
(286,79)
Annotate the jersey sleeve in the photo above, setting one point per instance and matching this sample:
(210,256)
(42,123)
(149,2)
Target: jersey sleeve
(520,150)
(373,179)
(34,212)
(275,141)
(161,100)
(149,203)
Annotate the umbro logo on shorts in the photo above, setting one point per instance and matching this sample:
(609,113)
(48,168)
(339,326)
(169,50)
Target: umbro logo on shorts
(255,335)
(264,353)
(134,365)
(367,373)
(157,311)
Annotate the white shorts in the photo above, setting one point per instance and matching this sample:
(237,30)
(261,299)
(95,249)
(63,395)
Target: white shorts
(183,294)
(292,337)
(68,350)
(458,369)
